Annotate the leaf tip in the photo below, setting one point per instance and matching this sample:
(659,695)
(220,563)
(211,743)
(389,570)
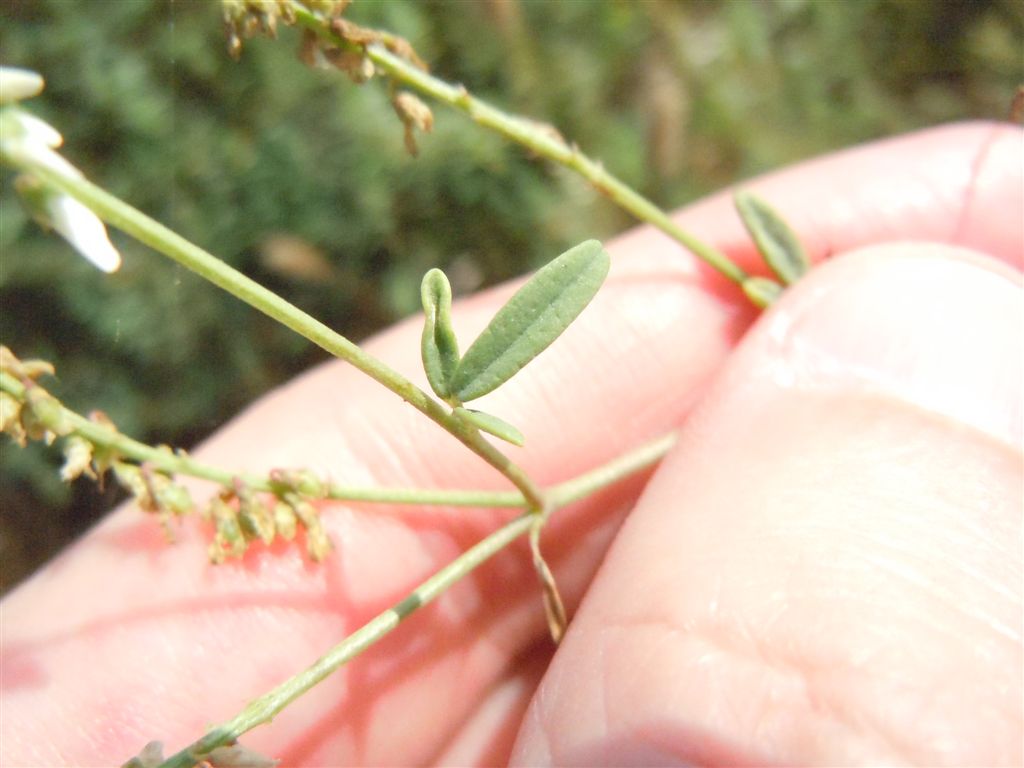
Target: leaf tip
(778,244)
(492,425)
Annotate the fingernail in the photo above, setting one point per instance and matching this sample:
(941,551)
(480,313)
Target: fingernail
(936,326)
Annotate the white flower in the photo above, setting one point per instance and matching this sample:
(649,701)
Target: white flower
(27,138)
(17,84)
(29,141)
(37,131)
(84,230)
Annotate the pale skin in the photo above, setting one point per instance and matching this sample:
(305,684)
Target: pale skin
(825,570)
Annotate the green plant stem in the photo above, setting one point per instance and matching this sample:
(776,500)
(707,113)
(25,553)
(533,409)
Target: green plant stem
(177,463)
(538,137)
(150,232)
(266,707)
(622,466)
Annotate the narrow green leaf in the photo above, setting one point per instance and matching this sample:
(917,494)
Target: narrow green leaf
(439,347)
(762,291)
(492,425)
(533,318)
(778,244)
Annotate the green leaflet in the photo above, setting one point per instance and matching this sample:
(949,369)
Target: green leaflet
(762,291)
(439,347)
(533,318)
(778,244)
(492,425)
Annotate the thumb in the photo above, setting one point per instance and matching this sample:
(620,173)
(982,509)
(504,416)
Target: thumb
(827,570)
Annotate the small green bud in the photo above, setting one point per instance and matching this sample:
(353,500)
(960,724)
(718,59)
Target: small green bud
(229,540)
(256,519)
(284,521)
(318,545)
(301,481)
(174,498)
(309,485)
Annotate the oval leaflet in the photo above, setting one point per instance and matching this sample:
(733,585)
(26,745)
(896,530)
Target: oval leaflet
(534,317)
(778,244)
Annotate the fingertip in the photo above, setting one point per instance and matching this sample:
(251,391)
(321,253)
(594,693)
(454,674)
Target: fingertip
(828,546)
(937,326)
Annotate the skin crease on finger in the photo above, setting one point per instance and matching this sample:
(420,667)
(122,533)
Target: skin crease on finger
(131,639)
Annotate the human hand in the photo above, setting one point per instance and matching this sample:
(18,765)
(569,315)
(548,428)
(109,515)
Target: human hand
(826,570)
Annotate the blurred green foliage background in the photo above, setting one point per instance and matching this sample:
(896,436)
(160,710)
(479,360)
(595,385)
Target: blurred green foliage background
(299,177)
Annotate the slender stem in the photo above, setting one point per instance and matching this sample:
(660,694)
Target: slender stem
(177,463)
(266,707)
(538,137)
(150,232)
(541,140)
(622,466)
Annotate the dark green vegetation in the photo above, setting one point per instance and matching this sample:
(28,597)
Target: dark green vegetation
(300,179)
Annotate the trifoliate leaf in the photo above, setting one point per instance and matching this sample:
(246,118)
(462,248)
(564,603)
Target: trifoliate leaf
(440,348)
(778,244)
(533,318)
(492,425)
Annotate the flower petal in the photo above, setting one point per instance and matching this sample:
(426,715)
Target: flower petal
(38,131)
(17,84)
(84,231)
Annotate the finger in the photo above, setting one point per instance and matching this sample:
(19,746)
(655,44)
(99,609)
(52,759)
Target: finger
(827,569)
(486,738)
(173,644)
(960,184)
